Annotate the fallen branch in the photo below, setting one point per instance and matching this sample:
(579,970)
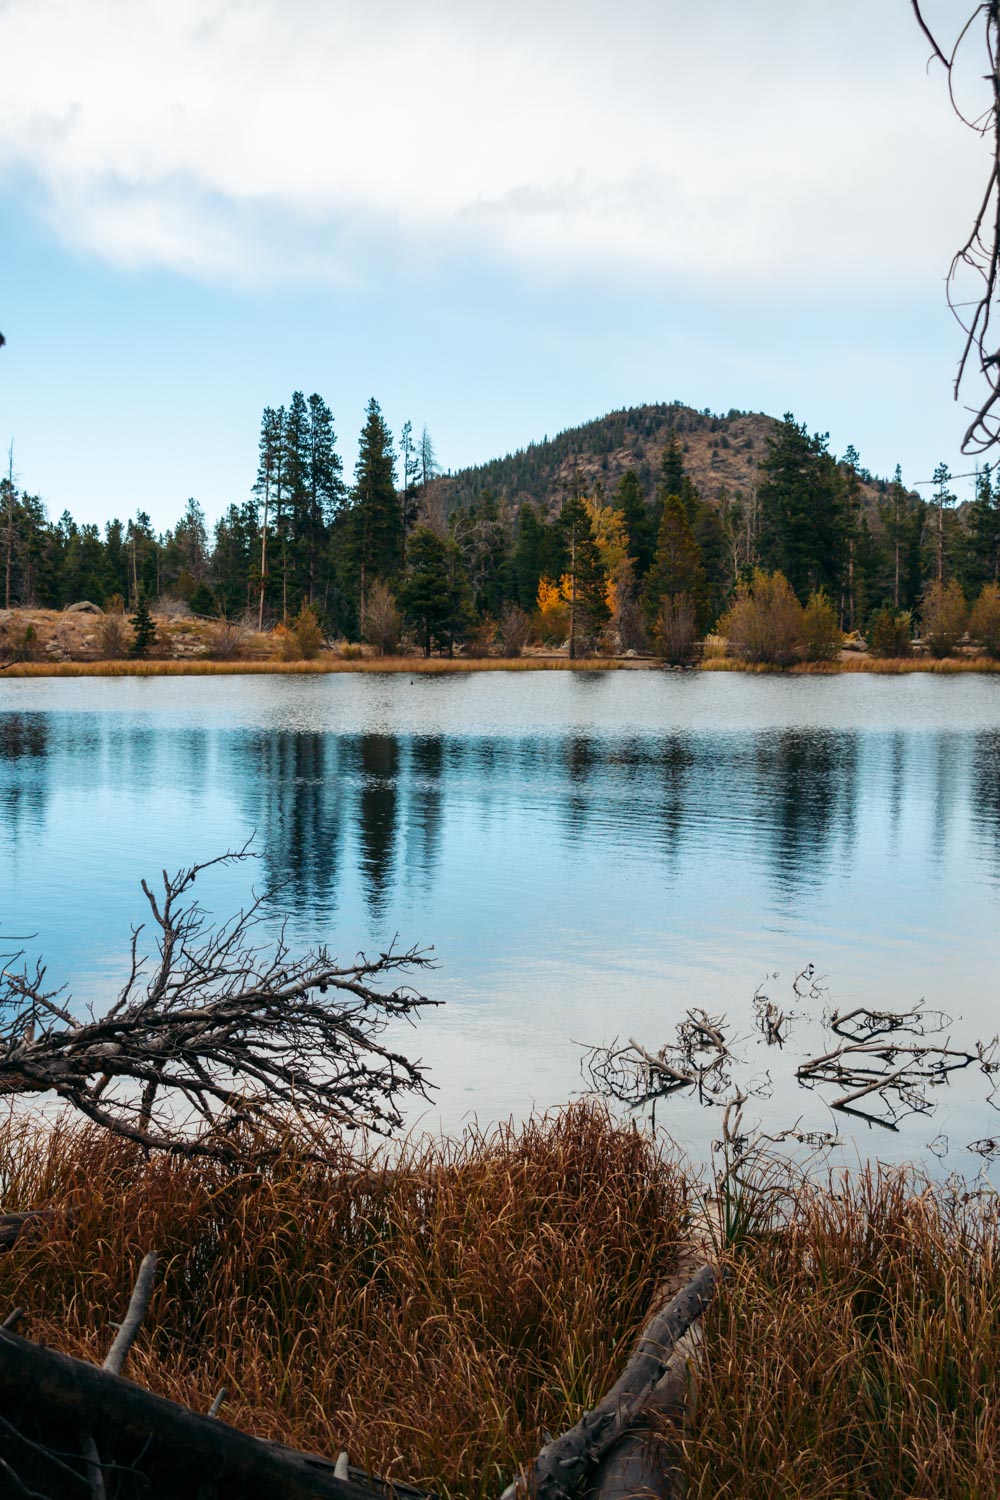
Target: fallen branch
(187,1452)
(563,1465)
(138,1304)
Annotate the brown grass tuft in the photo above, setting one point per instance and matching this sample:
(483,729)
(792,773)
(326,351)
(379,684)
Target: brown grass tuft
(430,1308)
(855,1350)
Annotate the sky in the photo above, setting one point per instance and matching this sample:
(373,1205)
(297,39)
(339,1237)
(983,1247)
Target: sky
(499,220)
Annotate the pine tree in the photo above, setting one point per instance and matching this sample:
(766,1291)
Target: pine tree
(267,488)
(672,465)
(143,629)
(801,494)
(852,523)
(630,500)
(373,541)
(892,513)
(539,552)
(429,468)
(410,471)
(588,581)
(981,563)
(943,499)
(324,488)
(426,594)
(677,567)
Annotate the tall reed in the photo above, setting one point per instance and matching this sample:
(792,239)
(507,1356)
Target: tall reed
(855,1348)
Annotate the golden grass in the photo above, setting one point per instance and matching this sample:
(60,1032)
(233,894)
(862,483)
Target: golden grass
(879,666)
(431,1308)
(855,1350)
(414,665)
(436,666)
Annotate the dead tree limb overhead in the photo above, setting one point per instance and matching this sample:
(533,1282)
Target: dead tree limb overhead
(220,1034)
(977,261)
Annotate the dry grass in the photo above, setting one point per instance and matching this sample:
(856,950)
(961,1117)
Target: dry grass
(855,1351)
(880,666)
(439,666)
(432,1309)
(414,665)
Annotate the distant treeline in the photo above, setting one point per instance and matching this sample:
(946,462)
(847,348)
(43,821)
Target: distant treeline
(382,555)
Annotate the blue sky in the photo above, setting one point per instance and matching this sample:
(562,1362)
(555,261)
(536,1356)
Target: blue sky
(500,222)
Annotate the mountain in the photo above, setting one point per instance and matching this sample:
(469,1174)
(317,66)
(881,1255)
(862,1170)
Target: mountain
(720,453)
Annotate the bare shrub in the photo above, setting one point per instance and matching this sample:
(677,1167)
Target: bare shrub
(19,642)
(515,630)
(302,640)
(984,623)
(113,634)
(383,624)
(481,638)
(943,618)
(676,631)
(822,637)
(764,622)
(890,633)
(630,625)
(226,641)
(169,607)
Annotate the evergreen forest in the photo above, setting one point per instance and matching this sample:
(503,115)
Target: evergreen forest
(642,529)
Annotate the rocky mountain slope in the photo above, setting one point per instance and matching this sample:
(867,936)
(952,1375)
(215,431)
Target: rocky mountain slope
(720,453)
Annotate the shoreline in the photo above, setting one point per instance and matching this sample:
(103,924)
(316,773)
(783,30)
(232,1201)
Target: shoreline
(439,666)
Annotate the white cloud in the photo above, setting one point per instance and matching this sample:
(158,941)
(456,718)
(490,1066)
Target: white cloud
(765,143)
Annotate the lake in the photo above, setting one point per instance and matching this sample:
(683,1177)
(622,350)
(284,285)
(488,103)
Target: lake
(590,855)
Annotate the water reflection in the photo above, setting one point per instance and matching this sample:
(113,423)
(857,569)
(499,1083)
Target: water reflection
(378,810)
(806,783)
(290,790)
(986,795)
(24,746)
(374,810)
(587,857)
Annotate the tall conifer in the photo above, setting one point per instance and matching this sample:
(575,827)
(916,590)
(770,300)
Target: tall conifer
(374,539)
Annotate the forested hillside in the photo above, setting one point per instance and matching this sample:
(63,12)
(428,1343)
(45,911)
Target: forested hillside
(638,529)
(720,452)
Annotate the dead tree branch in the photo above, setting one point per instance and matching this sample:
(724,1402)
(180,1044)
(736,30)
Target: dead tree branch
(137,1308)
(978,259)
(220,1035)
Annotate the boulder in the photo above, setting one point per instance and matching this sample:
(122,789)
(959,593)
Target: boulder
(83,607)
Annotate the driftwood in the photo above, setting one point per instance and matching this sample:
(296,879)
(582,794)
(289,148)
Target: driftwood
(71,1428)
(24,1226)
(564,1465)
(46,1396)
(637,1463)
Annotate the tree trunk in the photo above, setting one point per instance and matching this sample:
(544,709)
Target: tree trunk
(565,1463)
(51,1396)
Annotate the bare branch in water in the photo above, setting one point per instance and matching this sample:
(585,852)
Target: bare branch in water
(219,1036)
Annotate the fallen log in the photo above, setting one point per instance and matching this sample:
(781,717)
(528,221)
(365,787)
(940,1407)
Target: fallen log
(637,1464)
(45,1396)
(27,1226)
(562,1467)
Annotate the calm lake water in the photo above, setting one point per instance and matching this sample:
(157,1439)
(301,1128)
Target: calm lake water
(589,854)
